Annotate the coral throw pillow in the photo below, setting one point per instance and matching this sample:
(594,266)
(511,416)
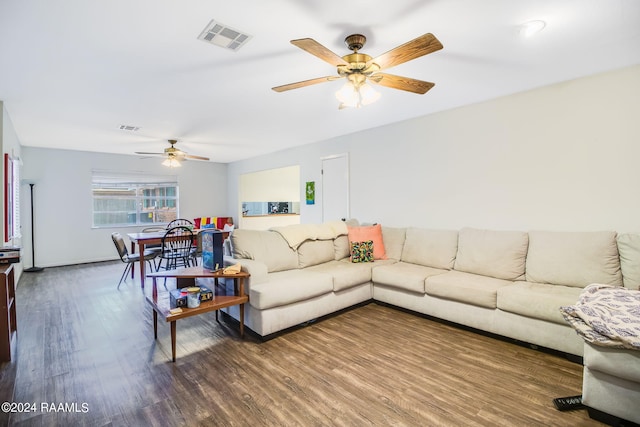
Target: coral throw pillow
(369,232)
(362,251)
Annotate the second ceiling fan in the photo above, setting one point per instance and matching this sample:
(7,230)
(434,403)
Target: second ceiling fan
(359,68)
(174,155)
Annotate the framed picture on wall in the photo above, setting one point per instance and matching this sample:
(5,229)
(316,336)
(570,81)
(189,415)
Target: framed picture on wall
(310,192)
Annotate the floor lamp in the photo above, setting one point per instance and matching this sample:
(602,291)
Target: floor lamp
(33,268)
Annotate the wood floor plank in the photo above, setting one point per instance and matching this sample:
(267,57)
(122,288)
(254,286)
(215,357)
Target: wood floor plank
(372,365)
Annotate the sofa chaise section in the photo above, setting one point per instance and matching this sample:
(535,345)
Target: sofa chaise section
(297,274)
(559,265)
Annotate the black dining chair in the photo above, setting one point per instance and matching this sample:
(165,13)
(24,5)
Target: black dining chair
(154,248)
(177,248)
(187,223)
(130,259)
(180,222)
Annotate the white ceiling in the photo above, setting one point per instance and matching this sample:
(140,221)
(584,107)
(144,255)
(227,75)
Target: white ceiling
(73,71)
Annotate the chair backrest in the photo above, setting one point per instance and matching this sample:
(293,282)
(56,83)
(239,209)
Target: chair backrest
(177,242)
(180,222)
(123,253)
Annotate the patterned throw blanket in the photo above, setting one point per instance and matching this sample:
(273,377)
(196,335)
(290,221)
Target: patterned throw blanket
(606,316)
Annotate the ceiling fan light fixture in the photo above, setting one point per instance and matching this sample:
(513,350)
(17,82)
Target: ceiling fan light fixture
(352,95)
(171,162)
(368,94)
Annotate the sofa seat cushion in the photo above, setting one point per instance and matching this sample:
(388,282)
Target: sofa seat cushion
(537,300)
(466,287)
(404,275)
(288,287)
(345,274)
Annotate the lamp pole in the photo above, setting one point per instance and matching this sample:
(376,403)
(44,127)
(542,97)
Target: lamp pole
(33,268)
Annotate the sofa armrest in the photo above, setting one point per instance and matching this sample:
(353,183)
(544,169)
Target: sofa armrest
(257,270)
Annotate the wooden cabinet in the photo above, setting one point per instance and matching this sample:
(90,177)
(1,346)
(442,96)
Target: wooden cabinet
(8,324)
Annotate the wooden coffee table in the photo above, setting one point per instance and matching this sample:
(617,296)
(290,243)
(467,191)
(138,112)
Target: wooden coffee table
(186,277)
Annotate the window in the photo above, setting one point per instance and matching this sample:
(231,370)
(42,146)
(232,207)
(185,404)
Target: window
(133,199)
(11,198)
(16,198)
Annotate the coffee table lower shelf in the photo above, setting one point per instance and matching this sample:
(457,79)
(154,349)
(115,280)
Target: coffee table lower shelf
(161,306)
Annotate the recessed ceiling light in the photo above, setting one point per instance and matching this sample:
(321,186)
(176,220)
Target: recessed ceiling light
(530,28)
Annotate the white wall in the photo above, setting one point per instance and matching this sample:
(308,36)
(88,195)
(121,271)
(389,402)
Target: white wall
(63,204)
(562,157)
(273,185)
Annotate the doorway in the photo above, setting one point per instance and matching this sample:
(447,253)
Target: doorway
(335,187)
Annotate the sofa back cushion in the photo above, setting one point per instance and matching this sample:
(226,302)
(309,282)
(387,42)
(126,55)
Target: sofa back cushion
(431,248)
(314,252)
(341,247)
(268,247)
(629,248)
(573,258)
(393,238)
(499,254)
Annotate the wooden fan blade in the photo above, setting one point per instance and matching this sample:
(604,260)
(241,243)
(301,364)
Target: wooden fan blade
(152,154)
(402,83)
(191,156)
(305,83)
(413,49)
(316,49)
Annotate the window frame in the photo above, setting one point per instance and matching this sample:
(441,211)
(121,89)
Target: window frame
(144,190)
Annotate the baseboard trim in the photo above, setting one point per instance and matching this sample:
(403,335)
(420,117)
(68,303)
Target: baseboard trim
(609,419)
(570,357)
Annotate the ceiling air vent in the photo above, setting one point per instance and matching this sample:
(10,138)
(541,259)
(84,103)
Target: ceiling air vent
(129,128)
(223,36)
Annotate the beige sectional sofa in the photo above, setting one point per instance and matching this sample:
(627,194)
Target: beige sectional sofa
(509,283)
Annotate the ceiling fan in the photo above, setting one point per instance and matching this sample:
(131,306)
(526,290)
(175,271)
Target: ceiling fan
(173,155)
(359,68)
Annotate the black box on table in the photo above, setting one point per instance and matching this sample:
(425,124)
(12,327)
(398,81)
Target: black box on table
(211,249)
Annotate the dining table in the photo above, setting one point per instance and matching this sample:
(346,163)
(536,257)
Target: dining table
(143,239)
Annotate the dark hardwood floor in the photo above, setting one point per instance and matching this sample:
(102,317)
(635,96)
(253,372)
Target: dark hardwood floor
(84,344)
